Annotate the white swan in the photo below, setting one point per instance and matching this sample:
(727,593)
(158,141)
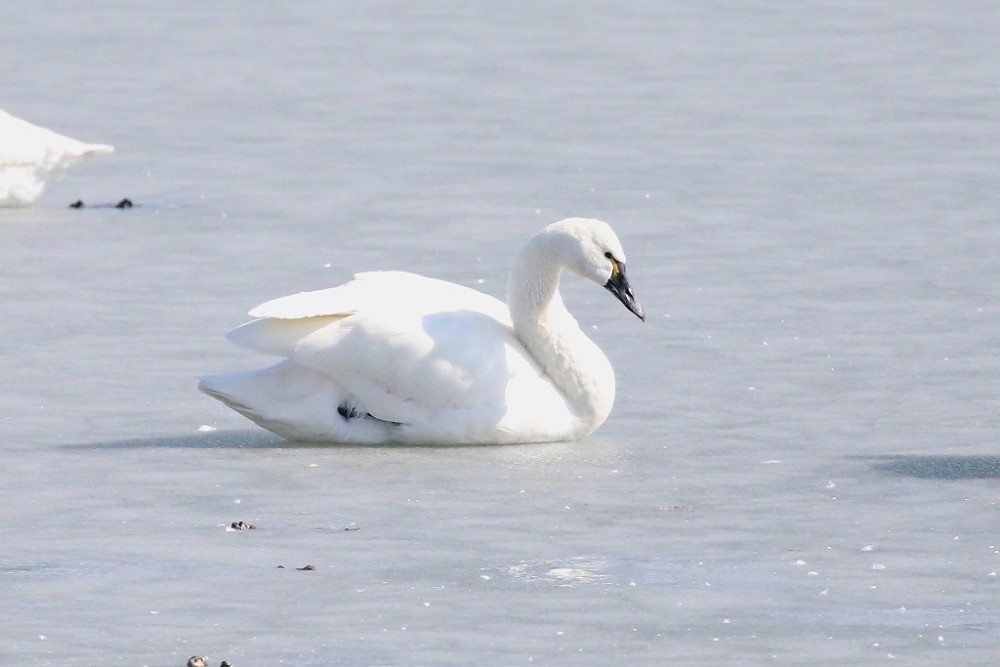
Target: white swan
(394,357)
(31,157)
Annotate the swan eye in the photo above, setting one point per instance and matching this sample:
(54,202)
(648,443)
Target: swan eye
(615,266)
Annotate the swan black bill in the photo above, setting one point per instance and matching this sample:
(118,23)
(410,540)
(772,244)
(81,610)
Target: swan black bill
(618,285)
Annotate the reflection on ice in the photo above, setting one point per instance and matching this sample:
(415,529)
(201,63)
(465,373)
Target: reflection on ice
(902,617)
(117,570)
(571,572)
(734,574)
(941,467)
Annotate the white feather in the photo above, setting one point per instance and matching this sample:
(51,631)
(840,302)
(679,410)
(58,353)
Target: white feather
(33,157)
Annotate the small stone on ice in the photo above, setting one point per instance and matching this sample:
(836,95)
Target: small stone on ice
(197,661)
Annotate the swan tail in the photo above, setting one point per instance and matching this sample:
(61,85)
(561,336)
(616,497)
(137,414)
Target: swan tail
(298,404)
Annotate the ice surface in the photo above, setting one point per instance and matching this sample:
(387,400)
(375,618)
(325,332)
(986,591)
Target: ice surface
(801,467)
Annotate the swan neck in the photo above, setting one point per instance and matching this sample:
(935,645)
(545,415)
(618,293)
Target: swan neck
(533,289)
(552,336)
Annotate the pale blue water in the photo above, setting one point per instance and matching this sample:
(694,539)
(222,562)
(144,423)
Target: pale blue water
(802,465)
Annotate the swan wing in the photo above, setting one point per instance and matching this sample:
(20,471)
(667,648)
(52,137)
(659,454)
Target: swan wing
(405,346)
(26,144)
(388,290)
(389,297)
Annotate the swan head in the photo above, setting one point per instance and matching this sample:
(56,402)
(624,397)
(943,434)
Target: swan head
(591,249)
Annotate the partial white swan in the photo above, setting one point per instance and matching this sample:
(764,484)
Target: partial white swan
(32,157)
(394,357)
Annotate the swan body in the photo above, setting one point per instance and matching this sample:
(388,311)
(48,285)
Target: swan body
(32,157)
(395,357)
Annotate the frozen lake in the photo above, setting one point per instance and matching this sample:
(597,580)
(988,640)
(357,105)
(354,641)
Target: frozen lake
(802,466)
